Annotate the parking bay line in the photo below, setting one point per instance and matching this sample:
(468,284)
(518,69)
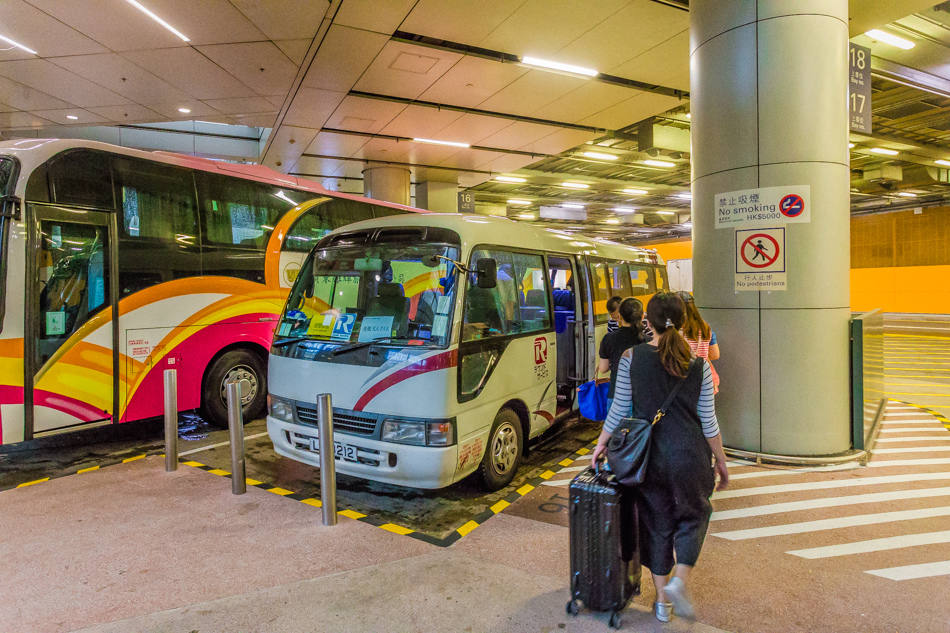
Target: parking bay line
(219,444)
(874,545)
(833,524)
(829,502)
(827,485)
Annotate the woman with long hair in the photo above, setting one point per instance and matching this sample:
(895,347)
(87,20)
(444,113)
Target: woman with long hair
(673,499)
(701,338)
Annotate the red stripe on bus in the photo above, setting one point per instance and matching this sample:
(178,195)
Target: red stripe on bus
(444,360)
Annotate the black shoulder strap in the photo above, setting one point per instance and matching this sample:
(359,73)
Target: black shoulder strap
(676,390)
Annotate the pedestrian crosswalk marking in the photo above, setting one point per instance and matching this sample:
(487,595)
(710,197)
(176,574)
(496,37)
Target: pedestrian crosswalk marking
(829,502)
(874,545)
(833,524)
(911,572)
(914,421)
(797,471)
(926,429)
(826,485)
(914,439)
(912,449)
(936,461)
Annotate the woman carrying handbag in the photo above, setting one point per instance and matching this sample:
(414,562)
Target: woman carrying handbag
(663,435)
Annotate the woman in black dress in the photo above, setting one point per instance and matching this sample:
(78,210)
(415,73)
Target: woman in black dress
(673,500)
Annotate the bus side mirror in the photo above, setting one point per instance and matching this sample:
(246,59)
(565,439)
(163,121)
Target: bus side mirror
(486,273)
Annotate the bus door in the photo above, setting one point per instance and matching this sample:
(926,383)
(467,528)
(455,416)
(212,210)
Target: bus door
(567,290)
(71,344)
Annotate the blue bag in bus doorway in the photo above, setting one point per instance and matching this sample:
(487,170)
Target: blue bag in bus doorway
(592,400)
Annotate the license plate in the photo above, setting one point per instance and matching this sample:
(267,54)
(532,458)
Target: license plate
(342,451)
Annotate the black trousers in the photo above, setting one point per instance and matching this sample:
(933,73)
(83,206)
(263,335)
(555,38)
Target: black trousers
(674,513)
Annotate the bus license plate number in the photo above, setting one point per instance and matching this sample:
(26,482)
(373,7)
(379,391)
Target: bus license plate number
(342,451)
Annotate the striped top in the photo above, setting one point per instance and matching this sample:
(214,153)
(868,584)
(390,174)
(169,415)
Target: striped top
(622,406)
(701,347)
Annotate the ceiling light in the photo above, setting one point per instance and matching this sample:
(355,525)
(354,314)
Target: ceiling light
(659,163)
(689,115)
(72,117)
(572,205)
(158,19)
(516,201)
(526,216)
(601,156)
(612,221)
(184,110)
(625,209)
(18,45)
(684,196)
(510,179)
(943,162)
(434,142)
(665,212)
(575,185)
(887,38)
(850,145)
(885,151)
(907,194)
(567,68)
(636,192)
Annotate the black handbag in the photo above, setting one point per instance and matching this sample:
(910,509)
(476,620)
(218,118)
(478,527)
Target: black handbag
(628,450)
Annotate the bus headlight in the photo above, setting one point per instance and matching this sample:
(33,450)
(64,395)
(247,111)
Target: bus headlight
(404,432)
(280,409)
(441,434)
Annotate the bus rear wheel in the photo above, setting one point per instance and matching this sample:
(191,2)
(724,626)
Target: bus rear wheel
(503,453)
(247,369)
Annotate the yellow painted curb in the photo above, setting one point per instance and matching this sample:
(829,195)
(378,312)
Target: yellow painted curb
(498,507)
(35,481)
(87,470)
(351,514)
(396,529)
(468,527)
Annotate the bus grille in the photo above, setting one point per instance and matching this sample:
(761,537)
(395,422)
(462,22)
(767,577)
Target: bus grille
(343,422)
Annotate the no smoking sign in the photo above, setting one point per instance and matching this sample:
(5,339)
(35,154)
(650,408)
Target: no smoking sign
(760,259)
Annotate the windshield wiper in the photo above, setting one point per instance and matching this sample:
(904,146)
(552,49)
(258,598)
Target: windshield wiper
(289,341)
(354,346)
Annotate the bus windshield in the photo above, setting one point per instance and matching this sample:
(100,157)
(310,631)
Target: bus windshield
(402,293)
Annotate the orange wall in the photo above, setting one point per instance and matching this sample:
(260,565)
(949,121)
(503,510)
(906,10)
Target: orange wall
(915,289)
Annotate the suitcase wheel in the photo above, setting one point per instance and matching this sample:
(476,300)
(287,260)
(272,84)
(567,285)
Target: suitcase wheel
(571,607)
(614,622)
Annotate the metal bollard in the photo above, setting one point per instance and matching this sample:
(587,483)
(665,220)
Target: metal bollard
(327,464)
(171,420)
(236,428)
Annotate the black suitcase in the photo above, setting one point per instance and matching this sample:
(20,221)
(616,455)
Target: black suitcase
(605,559)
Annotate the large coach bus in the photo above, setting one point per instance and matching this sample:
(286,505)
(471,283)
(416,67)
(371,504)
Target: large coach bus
(116,264)
(446,342)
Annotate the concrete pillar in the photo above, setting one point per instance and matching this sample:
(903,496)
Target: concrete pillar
(386,182)
(769,86)
(441,197)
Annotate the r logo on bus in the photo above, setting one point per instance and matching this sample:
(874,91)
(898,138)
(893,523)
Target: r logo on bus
(540,350)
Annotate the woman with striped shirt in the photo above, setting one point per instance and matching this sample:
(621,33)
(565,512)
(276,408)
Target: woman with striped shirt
(673,499)
(701,338)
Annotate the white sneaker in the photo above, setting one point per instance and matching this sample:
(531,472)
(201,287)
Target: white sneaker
(682,602)
(663,611)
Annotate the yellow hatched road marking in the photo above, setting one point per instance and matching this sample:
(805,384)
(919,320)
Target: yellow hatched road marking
(35,481)
(546,474)
(132,459)
(196,464)
(498,507)
(566,462)
(87,470)
(316,503)
(252,482)
(525,489)
(468,527)
(583,451)
(351,514)
(218,471)
(396,529)
(280,491)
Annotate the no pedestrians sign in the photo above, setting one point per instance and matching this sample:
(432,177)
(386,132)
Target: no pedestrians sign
(760,259)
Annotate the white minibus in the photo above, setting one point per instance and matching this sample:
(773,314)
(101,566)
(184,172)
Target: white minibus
(446,341)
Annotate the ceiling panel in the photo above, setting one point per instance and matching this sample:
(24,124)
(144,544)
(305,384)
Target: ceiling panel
(381,16)
(405,70)
(471,158)
(468,21)
(259,65)
(532,91)
(468,179)
(58,82)
(282,151)
(256,120)
(473,128)
(351,169)
(560,141)
(59,116)
(25,98)
(204,22)
(517,135)
(122,77)
(329,144)
(284,19)
(587,100)
(7,108)
(132,113)
(385,149)
(342,57)
(316,166)
(296,50)
(506,163)
(427,154)
(13,120)
(636,28)
(660,63)
(44,34)
(364,115)
(471,81)
(242,105)
(633,110)
(191,72)
(170,110)
(540,28)
(422,122)
(118,26)
(312,107)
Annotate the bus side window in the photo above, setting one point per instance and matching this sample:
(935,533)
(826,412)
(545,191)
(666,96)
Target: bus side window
(620,280)
(532,293)
(662,281)
(600,288)
(642,279)
(243,213)
(82,177)
(325,216)
(158,201)
(490,312)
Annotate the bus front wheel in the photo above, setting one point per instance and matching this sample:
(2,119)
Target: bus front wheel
(503,453)
(238,365)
